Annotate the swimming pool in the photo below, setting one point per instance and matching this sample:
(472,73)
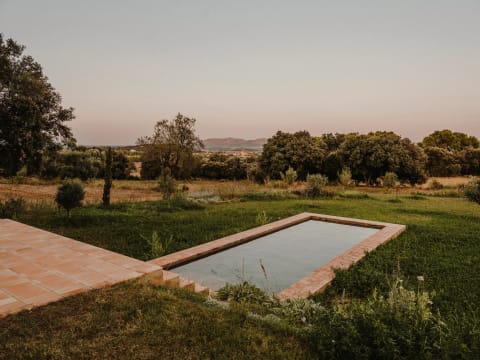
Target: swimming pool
(275,261)
(290,257)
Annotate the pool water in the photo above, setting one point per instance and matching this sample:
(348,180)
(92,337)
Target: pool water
(275,261)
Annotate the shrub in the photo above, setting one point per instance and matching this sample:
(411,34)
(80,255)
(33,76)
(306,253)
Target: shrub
(398,326)
(390,179)
(12,207)
(436,185)
(345,177)
(70,195)
(298,310)
(472,190)
(167,184)
(314,186)
(289,176)
(243,293)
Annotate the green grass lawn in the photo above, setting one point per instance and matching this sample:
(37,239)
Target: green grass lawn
(442,244)
(140,321)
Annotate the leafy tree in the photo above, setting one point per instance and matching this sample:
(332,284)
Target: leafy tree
(70,195)
(470,159)
(223,166)
(107,178)
(300,151)
(452,141)
(172,145)
(32,120)
(442,162)
(333,141)
(84,164)
(412,163)
(372,155)
(332,165)
(255,173)
(120,166)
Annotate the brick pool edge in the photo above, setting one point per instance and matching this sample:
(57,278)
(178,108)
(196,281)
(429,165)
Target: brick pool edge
(314,282)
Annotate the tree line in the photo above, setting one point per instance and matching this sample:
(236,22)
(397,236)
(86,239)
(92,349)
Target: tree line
(366,157)
(370,156)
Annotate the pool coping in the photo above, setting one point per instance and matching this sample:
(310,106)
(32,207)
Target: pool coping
(314,282)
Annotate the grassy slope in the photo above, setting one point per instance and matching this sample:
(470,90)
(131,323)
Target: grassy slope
(138,321)
(442,243)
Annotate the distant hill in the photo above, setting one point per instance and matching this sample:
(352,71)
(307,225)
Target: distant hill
(228,144)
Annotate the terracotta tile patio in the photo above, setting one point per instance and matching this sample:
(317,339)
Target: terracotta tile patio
(38,267)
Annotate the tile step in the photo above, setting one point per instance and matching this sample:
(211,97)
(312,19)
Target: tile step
(186,284)
(171,279)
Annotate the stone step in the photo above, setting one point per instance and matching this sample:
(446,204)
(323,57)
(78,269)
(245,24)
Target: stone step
(186,284)
(202,290)
(155,278)
(171,279)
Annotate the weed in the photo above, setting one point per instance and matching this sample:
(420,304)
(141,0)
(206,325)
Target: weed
(157,247)
(262,218)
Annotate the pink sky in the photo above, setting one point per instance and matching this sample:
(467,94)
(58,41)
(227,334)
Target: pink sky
(247,69)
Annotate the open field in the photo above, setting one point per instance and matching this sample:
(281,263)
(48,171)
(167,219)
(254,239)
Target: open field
(123,190)
(144,190)
(442,244)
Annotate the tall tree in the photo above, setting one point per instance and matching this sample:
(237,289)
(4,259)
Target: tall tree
(107,178)
(171,146)
(32,120)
